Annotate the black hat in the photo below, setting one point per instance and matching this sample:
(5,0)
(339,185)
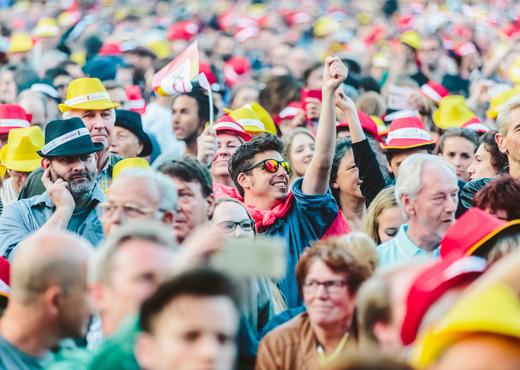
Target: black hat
(68,137)
(132,122)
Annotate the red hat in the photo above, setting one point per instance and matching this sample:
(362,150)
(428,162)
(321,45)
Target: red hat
(431,284)
(407,133)
(464,49)
(206,69)
(475,124)
(296,17)
(228,124)
(470,231)
(246,29)
(183,30)
(135,103)
(367,124)
(111,48)
(235,69)
(434,91)
(5,273)
(13,116)
(289,112)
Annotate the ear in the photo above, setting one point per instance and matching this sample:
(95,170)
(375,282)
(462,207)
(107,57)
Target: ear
(168,217)
(53,300)
(46,163)
(210,203)
(389,168)
(501,142)
(144,350)
(243,180)
(408,204)
(335,185)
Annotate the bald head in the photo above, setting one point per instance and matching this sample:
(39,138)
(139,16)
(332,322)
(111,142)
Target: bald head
(50,258)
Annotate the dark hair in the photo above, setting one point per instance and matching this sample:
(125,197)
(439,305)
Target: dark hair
(242,158)
(278,92)
(498,160)
(202,99)
(501,194)
(53,73)
(462,132)
(389,153)
(189,169)
(308,71)
(369,83)
(200,282)
(342,146)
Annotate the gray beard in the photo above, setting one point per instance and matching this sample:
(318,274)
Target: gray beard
(83,191)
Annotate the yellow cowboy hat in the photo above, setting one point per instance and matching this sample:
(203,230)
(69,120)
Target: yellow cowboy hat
(254,118)
(411,38)
(20,42)
(500,99)
(514,70)
(20,153)
(87,93)
(46,27)
(494,310)
(127,164)
(453,112)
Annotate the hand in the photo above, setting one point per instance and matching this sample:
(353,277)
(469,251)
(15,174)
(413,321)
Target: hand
(312,108)
(344,103)
(58,191)
(207,146)
(334,73)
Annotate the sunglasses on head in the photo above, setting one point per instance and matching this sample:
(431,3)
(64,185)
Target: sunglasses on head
(271,166)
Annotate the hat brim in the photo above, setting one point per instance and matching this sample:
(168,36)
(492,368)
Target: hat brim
(89,105)
(23,166)
(471,250)
(243,135)
(66,152)
(143,137)
(405,144)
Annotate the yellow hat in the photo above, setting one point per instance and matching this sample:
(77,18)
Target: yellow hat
(495,310)
(47,27)
(127,164)
(453,112)
(87,93)
(411,38)
(326,25)
(514,71)
(161,48)
(20,42)
(20,152)
(254,118)
(499,100)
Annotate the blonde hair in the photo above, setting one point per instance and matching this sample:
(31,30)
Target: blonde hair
(384,200)
(371,103)
(288,142)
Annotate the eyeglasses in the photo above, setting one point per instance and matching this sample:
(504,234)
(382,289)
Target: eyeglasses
(331,286)
(129,210)
(271,166)
(231,226)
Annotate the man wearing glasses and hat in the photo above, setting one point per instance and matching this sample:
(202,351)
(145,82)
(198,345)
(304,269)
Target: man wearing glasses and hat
(71,191)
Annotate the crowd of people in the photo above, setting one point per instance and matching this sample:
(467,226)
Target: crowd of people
(341,189)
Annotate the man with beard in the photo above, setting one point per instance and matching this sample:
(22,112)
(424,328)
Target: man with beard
(71,196)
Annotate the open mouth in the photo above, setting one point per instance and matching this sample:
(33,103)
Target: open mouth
(281,185)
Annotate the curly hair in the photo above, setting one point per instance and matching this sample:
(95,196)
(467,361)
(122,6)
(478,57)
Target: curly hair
(498,160)
(501,194)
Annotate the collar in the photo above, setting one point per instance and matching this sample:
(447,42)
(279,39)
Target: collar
(405,245)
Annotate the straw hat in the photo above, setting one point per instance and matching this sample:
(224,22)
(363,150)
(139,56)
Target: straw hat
(453,112)
(254,118)
(20,153)
(127,164)
(87,93)
(20,42)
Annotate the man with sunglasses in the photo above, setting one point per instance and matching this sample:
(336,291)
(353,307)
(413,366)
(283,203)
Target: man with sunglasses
(261,176)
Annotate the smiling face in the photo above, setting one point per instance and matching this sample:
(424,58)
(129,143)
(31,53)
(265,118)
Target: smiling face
(328,308)
(481,166)
(227,146)
(347,180)
(302,150)
(259,183)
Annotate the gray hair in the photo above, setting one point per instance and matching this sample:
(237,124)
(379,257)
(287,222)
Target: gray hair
(102,266)
(165,185)
(504,114)
(410,179)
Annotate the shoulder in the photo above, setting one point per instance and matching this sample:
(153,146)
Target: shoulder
(289,333)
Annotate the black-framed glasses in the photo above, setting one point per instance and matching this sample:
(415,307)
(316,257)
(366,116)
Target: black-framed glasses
(272,166)
(331,286)
(231,226)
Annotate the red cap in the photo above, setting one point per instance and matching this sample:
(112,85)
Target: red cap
(289,112)
(470,231)
(367,124)
(434,91)
(136,103)
(246,29)
(296,17)
(206,69)
(407,133)
(183,30)
(13,116)
(111,48)
(431,284)
(465,48)
(227,124)
(235,69)
(476,125)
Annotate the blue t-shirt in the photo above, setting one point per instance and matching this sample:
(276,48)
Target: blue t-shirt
(308,220)
(12,358)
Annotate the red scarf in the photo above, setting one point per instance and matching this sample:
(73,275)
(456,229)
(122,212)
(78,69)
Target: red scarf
(265,218)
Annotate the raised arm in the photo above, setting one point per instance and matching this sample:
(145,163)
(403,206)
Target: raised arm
(316,179)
